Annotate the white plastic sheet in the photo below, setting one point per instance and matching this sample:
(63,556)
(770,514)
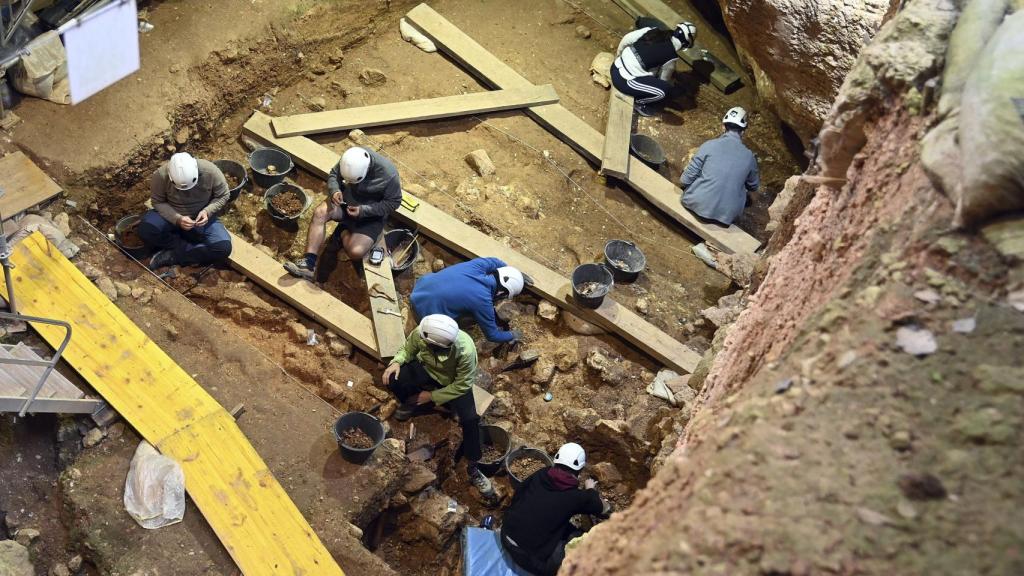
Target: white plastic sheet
(154,493)
(102,48)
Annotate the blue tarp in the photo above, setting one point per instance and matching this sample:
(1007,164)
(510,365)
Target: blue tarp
(482,555)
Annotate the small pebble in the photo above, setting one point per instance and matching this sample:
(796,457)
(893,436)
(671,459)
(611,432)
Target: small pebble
(548,397)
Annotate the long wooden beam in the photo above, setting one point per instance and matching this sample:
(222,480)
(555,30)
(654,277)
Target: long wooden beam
(414,110)
(388,323)
(470,242)
(573,130)
(306,296)
(618,130)
(238,495)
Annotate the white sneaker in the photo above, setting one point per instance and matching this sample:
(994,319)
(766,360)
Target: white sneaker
(482,483)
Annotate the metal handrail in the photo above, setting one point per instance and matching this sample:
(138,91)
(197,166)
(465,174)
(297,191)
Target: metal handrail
(50,364)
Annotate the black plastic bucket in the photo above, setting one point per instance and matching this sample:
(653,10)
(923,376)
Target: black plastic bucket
(261,158)
(497,437)
(624,259)
(647,150)
(365,422)
(138,250)
(396,240)
(238,171)
(585,274)
(520,453)
(278,189)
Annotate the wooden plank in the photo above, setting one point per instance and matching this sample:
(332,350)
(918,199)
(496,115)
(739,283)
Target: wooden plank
(615,152)
(472,243)
(56,384)
(384,302)
(573,130)
(51,405)
(24,184)
(414,111)
(304,295)
(238,495)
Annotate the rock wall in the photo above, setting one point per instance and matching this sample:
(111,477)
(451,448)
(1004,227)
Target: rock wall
(864,414)
(799,51)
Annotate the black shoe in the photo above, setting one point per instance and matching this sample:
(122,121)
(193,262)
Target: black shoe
(404,412)
(645,110)
(162,259)
(300,269)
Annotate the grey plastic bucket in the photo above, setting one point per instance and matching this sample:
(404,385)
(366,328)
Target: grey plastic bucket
(586,273)
(278,189)
(647,150)
(261,158)
(122,226)
(236,170)
(524,452)
(393,239)
(624,259)
(497,437)
(365,422)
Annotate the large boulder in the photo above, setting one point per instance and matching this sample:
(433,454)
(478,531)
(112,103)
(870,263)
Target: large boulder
(799,51)
(14,559)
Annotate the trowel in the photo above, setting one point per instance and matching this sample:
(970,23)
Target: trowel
(426,451)
(525,359)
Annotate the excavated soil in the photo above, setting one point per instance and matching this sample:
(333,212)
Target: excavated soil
(287,203)
(356,438)
(523,468)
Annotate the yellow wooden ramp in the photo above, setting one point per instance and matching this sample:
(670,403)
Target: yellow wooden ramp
(242,501)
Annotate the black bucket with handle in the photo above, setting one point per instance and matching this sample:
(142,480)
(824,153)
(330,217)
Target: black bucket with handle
(524,453)
(364,421)
(130,242)
(237,171)
(397,242)
(647,150)
(590,284)
(281,188)
(269,166)
(624,259)
(498,438)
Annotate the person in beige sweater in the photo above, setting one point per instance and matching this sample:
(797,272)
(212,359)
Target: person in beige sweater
(182,227)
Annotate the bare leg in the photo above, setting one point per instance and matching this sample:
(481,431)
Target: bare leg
(317,229)
(356,245)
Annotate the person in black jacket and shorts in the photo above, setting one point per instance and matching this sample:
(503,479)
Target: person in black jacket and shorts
(645,60)
(536,527)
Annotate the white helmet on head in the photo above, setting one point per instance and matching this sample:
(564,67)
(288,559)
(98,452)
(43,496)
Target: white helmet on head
(439,330)
(571,455)
(736,117)
(355,163)
(686,33)
(183,170)
(511,279)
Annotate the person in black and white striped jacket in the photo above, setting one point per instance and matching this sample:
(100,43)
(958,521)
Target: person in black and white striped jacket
(643,52)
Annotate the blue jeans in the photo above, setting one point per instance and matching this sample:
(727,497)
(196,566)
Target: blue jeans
(200,245)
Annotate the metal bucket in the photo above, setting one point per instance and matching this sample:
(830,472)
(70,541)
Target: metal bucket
(624,259)
(123,225)
(520,453)
(278,189)
(238,171)
(585,274)
(497,437)
(263,157)
(393,239)
(647,150)
(365,422)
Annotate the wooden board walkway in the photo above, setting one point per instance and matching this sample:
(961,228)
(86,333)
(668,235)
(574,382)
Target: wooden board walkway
(619,129)
(472,243)
(573,130)
(245,505)
(306,296)
(384,305)
(24,184)
(414,110)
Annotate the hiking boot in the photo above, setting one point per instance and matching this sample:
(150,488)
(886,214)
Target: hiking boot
(404,412)
(300,269)
(482,483)
(162,259)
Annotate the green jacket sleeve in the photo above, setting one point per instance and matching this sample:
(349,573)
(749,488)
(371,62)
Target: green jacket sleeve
(465,376)
(408,350)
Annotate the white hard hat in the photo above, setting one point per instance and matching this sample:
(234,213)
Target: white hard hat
(736,117)
(511,279)
(183,171)
(686,33)
(571,455)
(439,330)
(355,163)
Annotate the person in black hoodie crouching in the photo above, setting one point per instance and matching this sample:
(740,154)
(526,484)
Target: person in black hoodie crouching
(536,527)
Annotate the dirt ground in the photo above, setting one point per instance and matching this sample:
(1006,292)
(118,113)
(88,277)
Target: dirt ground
(545,201)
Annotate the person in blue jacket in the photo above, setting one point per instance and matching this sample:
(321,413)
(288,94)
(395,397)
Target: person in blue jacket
(470,289)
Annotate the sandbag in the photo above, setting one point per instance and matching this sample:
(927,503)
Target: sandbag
(43,73)
(154,493)
(992,128)
(410,34)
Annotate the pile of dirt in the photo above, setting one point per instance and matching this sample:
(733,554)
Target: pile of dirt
(232,180)
(523,468)
(492,454)
(356,438)
(288,203)
(130,238)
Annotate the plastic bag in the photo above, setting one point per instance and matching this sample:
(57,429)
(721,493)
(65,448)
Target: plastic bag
(43,73)
(154,493)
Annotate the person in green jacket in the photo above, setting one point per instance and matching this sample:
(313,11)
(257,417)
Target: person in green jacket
(438,364)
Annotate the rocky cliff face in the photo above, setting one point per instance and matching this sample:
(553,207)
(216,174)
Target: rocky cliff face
(864,415)
(800,50)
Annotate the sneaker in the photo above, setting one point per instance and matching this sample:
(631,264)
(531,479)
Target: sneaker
(482,483)
(404,412)
(162,259)
(300,269)
(645,110)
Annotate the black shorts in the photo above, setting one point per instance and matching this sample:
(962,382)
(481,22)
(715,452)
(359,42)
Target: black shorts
(371,227)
